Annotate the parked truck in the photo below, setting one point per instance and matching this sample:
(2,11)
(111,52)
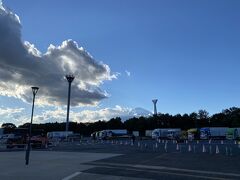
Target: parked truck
(159,133)
(20,138)
(213,133)
(174,133)
(232,133)
(193,134)
(59,135)
(110,134)
(166,133)
(238,130)
(204,133)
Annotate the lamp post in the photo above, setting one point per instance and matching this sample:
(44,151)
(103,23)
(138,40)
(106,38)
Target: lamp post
(70,79)
(34,90)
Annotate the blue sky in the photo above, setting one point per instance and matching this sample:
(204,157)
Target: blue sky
(184,53)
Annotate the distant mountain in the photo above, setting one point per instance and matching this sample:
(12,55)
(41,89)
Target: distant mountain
(140,112)
(136,112)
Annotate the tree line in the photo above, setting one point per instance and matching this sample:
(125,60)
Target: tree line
(227,118)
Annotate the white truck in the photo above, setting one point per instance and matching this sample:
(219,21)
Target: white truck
(60,135)
(174,133)
(112,133)
(213,133)
(159,133)
(166,133)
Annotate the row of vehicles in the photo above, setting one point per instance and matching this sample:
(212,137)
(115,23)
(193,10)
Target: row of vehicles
(165,133)
(39,139)
(194,133)
(19,137)
(59,135)
(220,133)
(174,133)
(110,134)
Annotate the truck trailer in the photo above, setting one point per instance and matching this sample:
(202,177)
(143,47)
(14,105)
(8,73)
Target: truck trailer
(60,135)
(193,134)
(110,133)
(213,133)
(232,133)
(166,133)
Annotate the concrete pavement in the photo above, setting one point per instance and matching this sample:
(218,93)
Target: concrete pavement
(122,161)
(45,164)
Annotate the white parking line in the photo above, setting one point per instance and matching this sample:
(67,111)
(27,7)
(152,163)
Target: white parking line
(72,176)
(187,170)
(170,169)
(169,173)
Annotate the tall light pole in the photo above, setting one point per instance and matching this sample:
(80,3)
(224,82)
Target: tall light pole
(155,106)
(34,90)
(70,79)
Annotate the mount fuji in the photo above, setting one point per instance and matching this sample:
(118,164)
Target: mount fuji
(136,112)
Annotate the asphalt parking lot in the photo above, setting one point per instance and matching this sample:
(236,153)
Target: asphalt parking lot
(121,159)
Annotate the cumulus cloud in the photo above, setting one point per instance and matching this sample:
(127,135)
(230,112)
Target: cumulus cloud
(10,111)
(22,65)
(19,116)
(59,114)
(11,115)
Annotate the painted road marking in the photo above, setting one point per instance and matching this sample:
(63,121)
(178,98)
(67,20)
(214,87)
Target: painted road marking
(187,170)
(169,169)
(169,173)
(72,176)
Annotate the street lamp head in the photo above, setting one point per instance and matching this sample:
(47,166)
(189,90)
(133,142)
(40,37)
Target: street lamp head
(70,78)
(35,90)
(154,101)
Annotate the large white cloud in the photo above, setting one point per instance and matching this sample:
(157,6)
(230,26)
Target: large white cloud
(22,65)
(20,116)
(59,114)
(13,115)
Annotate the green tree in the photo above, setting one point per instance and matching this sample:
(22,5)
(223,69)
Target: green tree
(194,117)
(203,114)
(203,118)
(115,123)
(8,127)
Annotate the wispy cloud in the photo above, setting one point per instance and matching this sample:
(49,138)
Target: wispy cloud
(22,65)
